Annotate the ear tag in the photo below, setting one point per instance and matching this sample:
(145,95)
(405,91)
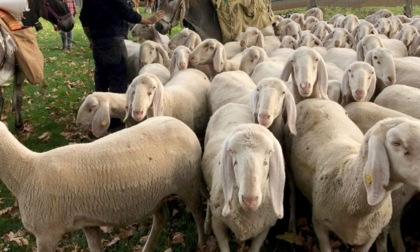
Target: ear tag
(104,123)
(368,179)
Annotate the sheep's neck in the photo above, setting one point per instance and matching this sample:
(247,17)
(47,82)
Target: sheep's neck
(298,97)
(117,106)
(16,163)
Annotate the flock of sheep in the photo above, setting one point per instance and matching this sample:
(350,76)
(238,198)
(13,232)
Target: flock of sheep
(290,101)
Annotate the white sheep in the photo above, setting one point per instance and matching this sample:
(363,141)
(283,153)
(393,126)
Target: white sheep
(251,57)
(358,84)
(309,78)
(267,69)
(288,27)
(117,180)
(388,26)
(314,12)
(382,13)
(148,32)
(183,97)
(349,22)
(321,30)
(212,52)
(334,90)
(369,42)
(133,59)
(298,18)
(336,19)
(362,30)
(309,40)
(411,39)
(310,22)
(254,37)
(401,98)
(243,167)
(185,37)
(179,60)
(339,37)
(152,52)
(383,62)
(341,57)
(97,110)
(288,42)
(349,180)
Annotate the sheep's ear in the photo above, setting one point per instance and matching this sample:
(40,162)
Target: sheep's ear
(260,40)
(240,36)
(162,52)
(328,28)
(130,97)
(360,51)
(290,104)
(101,120)
(350,40)
(192,41)
(228,182)
(158,98)
(354,33)
(326,38)
(318,42)
(412,48)
(277,178)
(372,87)
(287,70)
(322,79)
(345,89)
(376,171)
(263,55)
(368,58)
(255,97)
(399,35)
(219,58)
(172,66)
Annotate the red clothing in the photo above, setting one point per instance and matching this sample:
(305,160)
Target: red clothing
(71,5)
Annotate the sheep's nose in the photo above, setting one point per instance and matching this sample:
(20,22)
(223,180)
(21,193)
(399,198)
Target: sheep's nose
(391,80)
(337,43)
(183,65)
(360,94)
(264,119)
(250,202)
(405,41)
(138,114)
(383,30)
(305,86)
(242,43)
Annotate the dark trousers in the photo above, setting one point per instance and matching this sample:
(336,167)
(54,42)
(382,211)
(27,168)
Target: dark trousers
(110,55)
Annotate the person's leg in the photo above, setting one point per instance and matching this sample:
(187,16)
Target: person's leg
(100,50)
(63,39)
(118,71)
(69,40)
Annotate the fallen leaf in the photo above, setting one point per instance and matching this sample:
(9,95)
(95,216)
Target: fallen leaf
(178,238)
(291,238)
(45,136)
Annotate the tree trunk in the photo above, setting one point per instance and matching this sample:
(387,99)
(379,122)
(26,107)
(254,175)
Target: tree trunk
(311,4)
(408,8)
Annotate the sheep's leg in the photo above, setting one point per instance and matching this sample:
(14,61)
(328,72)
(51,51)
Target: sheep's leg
(258,241)
(365,247)
(193,203)
(93,238)
(322,234)
(395,235)
(159,219)
(220,231)
(382,240)
(17,96)
(47,242)
(207,222)
(292,201)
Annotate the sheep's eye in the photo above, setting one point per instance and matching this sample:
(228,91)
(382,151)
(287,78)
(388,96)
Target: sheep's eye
(149,93)
(258,90)
(396,143)
(375,57)
(153,88)
(372,73)
(265,163)
(283,92)
(90,110)
(316,60)
(235,163)
(378,62)
(352,76)
(255,33)
(406,153)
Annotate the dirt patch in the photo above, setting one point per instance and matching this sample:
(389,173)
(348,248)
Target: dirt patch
(288,4)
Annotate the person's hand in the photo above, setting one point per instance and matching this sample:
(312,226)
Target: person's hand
(157,16)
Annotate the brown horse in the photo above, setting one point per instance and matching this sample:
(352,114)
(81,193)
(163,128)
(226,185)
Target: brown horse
(56,12)
(200,14)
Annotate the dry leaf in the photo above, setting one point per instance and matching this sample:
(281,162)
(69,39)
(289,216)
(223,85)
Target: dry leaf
(114,240)
(45,136)
(144,239)
(168,250)
(291,238)
(178,238)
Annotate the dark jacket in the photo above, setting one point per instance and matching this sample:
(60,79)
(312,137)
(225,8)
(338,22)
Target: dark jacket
(105,18)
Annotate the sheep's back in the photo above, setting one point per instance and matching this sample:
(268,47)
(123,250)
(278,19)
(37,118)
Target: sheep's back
(401,98)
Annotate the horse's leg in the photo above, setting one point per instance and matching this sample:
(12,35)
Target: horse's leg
(17,96)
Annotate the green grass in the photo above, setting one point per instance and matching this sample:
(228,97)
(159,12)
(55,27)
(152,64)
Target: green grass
(51,108)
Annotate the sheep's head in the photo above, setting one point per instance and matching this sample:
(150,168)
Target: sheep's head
(210,51)
(251,57)
(251,156)
(145,31)
(144,93)
(252,37)
(309,40)
(94,112)
(339,37)
(383,25)
(298,18)
(186,37)
(314,12)
(307,69)
(288,42)
(310,22)
(383,62)
(362,30)
(359,81)
(392,149)
(368,43)
(407,34)
(350,22)
(269,99)
(179,59)
(152,52)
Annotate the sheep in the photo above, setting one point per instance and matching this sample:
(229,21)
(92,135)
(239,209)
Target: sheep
(310,22)
(388,26)
(334,72)
(363,29)
(254,37)
(349,22)
(321,30)
(341,57)
(148,32)
(382,13)
(133,59)
(97,110)
(251,57)
(416,23)
(309,78)
(185,37)
(287,27)
(339,37)
(239,156)
(410,37)
(314,12)
(232,48)
(309,40)
(404,19)
(179,60)
(370,42)
(334,90)
(232,86)
(212,52)
(114,181)
(397,47)
(281,54)
(366,114)
(405,71)
(157,69)
(152,52)
(349,180)
(401,98)
(384,64)
(288,42)
(183,97)
(298,18)
(358,84)
(336,20)
(267,69)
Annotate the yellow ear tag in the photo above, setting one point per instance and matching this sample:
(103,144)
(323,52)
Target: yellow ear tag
(104,123)
(368,179)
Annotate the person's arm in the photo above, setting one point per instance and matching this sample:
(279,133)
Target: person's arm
(153,19)
(129,15)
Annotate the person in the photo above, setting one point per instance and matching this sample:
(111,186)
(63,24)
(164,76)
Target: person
(67,37)
(104,23)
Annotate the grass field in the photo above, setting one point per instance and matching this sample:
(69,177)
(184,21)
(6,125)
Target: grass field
(49,112)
